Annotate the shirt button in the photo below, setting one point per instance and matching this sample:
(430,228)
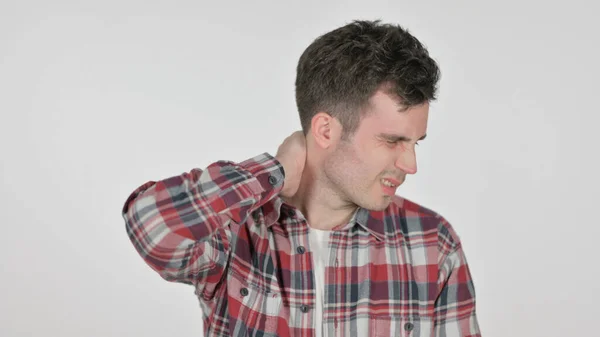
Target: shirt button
(408,326)
(304,308)
(256,219)
(244,291)
(300,249)
(272,180)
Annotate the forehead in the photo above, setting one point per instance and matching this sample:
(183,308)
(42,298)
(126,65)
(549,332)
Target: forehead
(385,115)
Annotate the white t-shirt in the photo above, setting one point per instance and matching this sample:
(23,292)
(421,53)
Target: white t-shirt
(319,240)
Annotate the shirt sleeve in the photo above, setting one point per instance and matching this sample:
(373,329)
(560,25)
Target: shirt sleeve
(182,226)
(455,314)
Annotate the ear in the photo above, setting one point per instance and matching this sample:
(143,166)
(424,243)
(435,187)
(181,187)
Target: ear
(325,129)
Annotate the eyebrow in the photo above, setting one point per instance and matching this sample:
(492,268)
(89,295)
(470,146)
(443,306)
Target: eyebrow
(398,138)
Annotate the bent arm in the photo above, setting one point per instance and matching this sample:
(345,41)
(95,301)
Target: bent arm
(182,226)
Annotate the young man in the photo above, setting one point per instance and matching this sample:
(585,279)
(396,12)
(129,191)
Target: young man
(313,241)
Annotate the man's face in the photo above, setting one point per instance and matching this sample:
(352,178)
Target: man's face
(382,148)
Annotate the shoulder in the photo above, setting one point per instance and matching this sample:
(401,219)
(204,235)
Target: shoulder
(415,220)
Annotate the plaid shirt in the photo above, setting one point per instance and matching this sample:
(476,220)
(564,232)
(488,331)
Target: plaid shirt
(225,231)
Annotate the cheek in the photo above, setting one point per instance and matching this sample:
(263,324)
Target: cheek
(377,160)
(370,170)
(364,164)
(354,166)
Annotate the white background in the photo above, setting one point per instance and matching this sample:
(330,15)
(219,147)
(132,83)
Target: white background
(98,98)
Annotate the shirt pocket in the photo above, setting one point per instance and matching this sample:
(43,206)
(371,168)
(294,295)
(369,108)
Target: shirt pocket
(396,325)
(254,310)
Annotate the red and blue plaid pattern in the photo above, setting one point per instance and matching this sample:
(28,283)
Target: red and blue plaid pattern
(224,230)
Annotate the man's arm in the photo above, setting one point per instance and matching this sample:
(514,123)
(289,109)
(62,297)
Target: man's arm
(182,226)
(454,311)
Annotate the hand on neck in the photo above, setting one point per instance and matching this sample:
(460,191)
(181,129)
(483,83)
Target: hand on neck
(322,206)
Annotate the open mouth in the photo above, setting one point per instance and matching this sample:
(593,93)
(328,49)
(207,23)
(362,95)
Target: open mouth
(388,183)
(389,186)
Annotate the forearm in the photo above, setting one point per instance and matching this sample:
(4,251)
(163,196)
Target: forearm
(181,225)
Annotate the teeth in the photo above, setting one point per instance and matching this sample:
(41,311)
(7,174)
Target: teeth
(387,183)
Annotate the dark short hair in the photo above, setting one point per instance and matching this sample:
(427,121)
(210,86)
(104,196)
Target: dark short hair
(341,70)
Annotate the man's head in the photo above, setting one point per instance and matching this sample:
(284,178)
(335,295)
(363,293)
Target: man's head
(340,71)
(363,93)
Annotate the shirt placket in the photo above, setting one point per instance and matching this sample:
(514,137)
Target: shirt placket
(331,278)
(304,311)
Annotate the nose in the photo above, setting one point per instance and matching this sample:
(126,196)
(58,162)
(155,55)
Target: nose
(407,161)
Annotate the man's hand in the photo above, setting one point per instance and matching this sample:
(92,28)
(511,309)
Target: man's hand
(292,156)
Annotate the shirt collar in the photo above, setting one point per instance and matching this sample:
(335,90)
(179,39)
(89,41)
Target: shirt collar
(370,221)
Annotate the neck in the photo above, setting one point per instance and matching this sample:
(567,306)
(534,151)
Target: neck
(319,202)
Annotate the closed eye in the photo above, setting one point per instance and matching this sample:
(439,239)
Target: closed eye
(392,139)
(392,142)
